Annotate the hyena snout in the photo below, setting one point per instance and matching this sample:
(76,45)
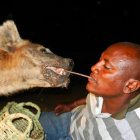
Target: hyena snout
(71,64)
(68,64)
(57,74)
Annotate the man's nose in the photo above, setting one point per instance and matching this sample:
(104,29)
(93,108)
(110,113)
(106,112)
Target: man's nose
(96,68)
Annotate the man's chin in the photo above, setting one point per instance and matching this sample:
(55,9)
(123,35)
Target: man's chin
(89,87)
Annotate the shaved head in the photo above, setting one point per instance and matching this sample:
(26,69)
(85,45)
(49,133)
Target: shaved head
(130,52)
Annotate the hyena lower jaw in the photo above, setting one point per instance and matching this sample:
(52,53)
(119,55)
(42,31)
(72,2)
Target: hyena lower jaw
(12,88)
(12,81)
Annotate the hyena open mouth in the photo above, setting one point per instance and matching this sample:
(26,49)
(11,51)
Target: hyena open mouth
(56,75)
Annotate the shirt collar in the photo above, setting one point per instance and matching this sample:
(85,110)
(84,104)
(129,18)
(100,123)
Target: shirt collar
(94,105)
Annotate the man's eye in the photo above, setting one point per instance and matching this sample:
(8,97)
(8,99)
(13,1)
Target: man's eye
(44,51)
(106,67)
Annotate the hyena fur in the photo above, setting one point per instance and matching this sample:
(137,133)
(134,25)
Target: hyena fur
(24,65)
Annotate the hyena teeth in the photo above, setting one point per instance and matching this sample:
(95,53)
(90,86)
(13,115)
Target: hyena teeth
(59,71)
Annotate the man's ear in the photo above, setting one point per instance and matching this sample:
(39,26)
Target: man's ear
(131,85)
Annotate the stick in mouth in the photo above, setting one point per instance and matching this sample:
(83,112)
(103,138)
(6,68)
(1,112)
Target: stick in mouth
(62,71)
(83,75)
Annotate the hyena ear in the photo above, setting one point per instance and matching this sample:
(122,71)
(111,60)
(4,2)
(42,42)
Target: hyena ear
(9,36)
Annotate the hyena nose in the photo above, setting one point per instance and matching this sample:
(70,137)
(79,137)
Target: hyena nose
(71,63)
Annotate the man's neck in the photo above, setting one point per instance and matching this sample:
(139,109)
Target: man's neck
(114,104)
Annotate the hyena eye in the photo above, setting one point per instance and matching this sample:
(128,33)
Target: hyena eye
(44,51)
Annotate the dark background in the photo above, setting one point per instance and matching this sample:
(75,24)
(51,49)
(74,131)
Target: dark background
(75,29)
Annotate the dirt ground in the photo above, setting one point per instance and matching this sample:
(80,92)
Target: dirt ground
(48,98)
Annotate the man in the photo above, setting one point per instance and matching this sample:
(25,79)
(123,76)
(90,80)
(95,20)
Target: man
(112,108)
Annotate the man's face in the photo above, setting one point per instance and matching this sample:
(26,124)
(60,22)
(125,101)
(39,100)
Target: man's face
(111,72)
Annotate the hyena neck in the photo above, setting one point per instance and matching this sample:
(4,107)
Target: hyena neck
(11,82)
(11,89)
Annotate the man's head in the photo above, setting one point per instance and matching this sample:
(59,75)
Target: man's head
(117,72)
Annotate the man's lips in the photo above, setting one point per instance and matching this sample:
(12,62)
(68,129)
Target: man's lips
(93,79)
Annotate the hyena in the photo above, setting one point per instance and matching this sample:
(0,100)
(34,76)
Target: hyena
(25,65)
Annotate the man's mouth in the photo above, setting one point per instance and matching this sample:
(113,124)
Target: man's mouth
(93,79)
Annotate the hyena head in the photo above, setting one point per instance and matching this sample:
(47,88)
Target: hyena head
(25,65)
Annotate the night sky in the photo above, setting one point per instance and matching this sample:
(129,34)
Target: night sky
(74,29)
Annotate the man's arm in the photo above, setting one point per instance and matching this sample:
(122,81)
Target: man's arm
(61,108)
